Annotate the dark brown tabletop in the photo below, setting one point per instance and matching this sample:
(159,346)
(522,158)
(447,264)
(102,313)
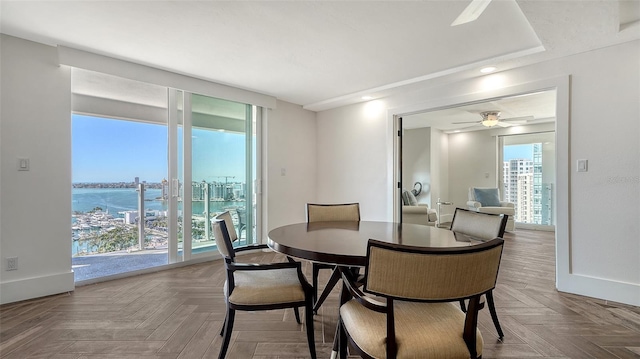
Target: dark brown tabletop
(345,243)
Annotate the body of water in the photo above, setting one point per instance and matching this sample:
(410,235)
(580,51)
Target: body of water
(115,200)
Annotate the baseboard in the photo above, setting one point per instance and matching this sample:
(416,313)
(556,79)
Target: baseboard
(30,288)
(605,289)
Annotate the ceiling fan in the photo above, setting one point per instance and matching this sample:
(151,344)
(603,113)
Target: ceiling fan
(471,12)
(492,118)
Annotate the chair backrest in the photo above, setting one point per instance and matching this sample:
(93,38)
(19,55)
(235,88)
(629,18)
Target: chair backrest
(479,225)
(226,216)
(431,274)
(333,212)
(223,240)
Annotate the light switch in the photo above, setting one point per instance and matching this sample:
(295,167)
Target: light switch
(582,165)
(23,164)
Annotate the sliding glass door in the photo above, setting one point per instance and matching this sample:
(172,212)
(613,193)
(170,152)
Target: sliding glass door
(152,168)
(213,171)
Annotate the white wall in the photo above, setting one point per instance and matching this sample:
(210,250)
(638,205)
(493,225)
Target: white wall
(416,161)
(291,147)
(36,205)
(351,143)
(599,250)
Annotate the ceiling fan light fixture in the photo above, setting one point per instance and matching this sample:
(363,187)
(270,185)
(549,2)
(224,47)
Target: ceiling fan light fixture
(490,118)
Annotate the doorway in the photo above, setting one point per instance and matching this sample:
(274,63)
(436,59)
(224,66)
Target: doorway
(564,277)
(452,148)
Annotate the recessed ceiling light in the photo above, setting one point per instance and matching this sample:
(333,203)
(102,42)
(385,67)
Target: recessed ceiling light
(367,98)
(488,69)
(456,131)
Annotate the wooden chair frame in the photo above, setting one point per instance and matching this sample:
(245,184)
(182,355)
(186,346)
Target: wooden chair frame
(231,266)
(352,284)
(489,295)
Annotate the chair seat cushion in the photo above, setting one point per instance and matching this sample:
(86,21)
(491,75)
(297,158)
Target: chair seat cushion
(259,287)
(423,330)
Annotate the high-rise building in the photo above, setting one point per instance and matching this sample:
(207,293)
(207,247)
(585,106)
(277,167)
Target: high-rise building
(511,170)
(524,202)
(523,186)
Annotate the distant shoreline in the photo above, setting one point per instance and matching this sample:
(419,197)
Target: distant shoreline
(157,185)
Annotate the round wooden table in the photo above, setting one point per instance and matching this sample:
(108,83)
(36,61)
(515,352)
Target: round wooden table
(345,243)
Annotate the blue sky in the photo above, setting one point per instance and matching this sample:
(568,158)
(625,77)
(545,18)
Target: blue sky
(518,152)
(106,150)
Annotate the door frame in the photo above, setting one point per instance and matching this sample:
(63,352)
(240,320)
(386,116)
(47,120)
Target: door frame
(564,276)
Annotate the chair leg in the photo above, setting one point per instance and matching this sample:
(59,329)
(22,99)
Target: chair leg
(315,273)
(228,328)
(308,311)
(342,340)
(297,313)
(494,315)
(224,324)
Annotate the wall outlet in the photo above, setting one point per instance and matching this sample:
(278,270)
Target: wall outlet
(12,263)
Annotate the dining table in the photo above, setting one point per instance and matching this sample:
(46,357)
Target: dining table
(344,243)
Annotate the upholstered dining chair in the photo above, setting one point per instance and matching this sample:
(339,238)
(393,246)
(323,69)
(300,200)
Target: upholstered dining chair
(418,318)
(252,287)
(478,224)
(339,212)
(483,226)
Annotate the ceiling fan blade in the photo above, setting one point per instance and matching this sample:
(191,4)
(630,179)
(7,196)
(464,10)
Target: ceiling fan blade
(503,124)
(471,12)
(460,123)
(522,119)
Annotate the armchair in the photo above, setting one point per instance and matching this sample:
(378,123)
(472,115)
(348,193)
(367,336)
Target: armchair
(404,309)
(263,286)
(417,213)
(487,200)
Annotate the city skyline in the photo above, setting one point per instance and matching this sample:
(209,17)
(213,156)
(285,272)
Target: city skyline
(109,151)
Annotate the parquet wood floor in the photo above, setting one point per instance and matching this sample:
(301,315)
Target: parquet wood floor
(178,313)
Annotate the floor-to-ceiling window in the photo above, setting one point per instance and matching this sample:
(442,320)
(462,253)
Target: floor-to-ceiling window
(146,160)
(112,160)
(528,176)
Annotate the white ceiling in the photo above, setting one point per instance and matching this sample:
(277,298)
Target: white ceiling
(324,54)
(526,109)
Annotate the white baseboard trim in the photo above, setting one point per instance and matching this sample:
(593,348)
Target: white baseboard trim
(30,288)
(605,289)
